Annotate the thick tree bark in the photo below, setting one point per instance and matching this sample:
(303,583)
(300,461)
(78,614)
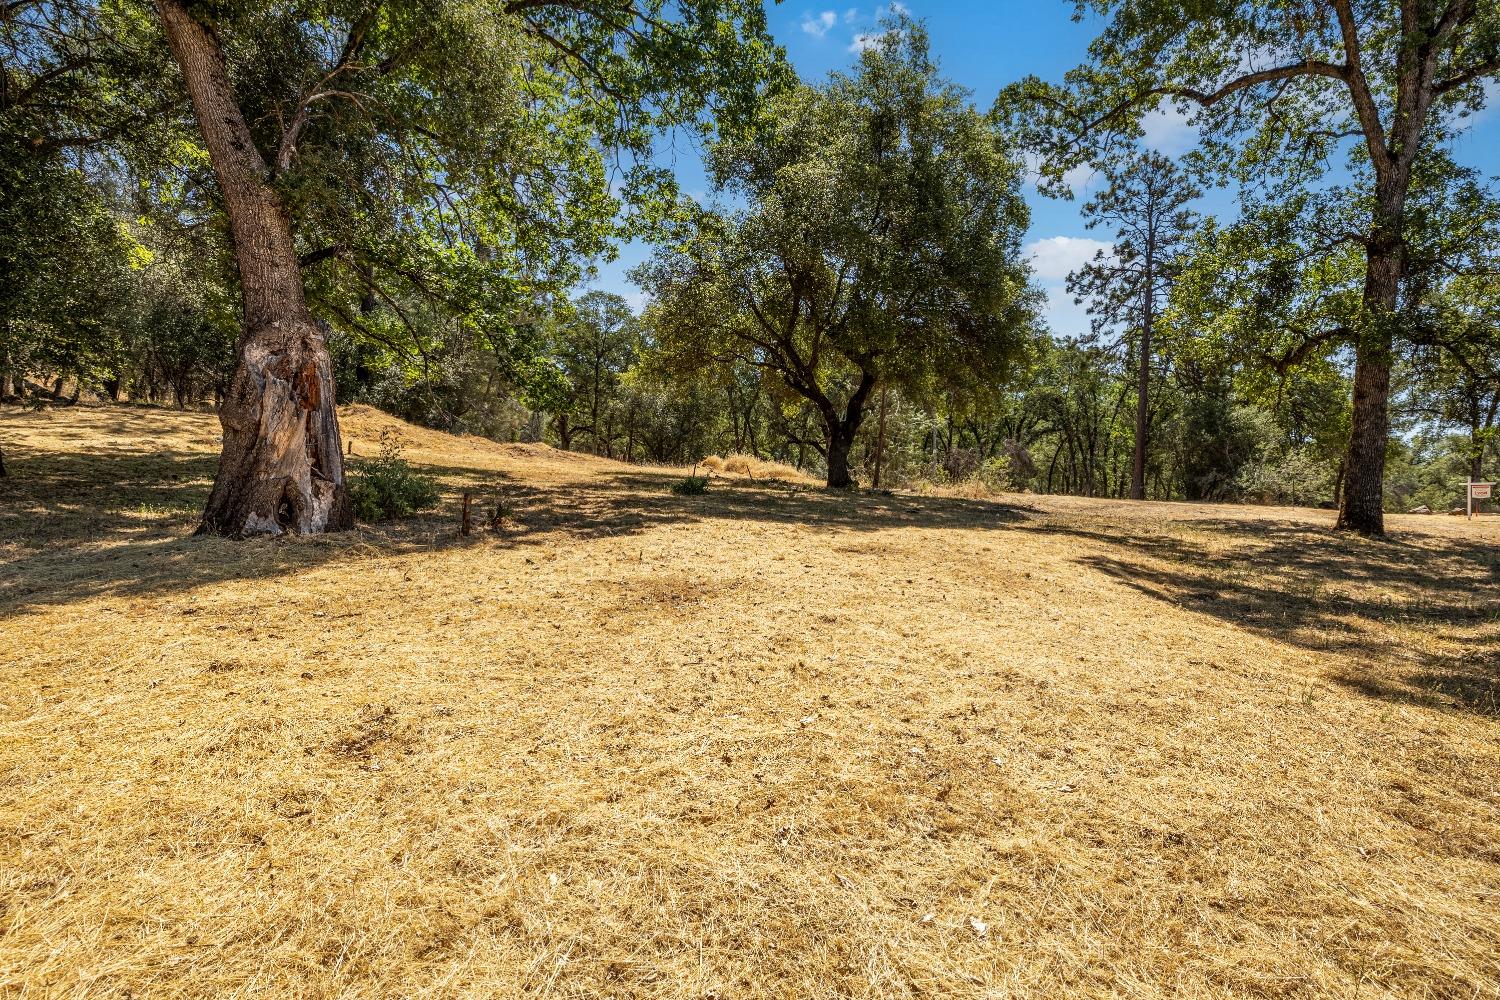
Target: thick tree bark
(841,432)
(281,469)
(840,440)
(1363,504)
(1363,507)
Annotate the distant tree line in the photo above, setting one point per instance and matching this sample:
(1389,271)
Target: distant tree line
(262,209)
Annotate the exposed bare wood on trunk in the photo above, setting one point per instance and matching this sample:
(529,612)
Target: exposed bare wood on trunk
(281,469)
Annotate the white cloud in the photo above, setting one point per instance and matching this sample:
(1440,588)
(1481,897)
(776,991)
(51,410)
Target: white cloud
(1169,130)
(1053,258)
(1080,178)
(819,24)
(1033,164)
(1063,316)
(864,41)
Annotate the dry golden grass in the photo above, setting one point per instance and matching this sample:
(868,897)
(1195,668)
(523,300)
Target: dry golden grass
(968,489)
(748,744)
(752,467)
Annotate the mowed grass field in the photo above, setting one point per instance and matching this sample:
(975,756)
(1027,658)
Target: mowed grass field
(767,742)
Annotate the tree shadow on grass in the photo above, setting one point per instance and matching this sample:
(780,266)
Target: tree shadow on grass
(633,499)
(1356,598)
(1471,683)
(119,520)
(52,500)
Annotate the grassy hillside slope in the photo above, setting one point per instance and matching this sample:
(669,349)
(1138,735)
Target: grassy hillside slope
(767,742)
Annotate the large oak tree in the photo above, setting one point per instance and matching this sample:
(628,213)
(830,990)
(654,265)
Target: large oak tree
(879,245)
(457,149)
(1287,86)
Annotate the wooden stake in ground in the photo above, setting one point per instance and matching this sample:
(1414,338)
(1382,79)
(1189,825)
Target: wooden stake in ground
(465,525)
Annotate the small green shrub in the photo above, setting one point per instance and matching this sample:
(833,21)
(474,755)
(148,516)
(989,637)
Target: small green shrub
(994,473)
(692,486)
(498,511)
(1295,476)
(386,487)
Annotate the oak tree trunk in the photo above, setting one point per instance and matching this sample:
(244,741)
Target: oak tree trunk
(842,429)
(281,469)
(840,440)
(1363,504)
(1476,440)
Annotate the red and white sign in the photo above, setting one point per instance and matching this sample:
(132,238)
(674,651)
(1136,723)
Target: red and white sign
(1477,491)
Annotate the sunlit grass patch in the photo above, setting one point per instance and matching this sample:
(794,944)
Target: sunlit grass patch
(753,743)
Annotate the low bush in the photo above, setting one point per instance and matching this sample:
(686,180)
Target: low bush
(1294,476)
(387,487)
(984,479)
(691,486)
(961,464)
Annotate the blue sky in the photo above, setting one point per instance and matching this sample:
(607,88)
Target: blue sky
(984,45)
